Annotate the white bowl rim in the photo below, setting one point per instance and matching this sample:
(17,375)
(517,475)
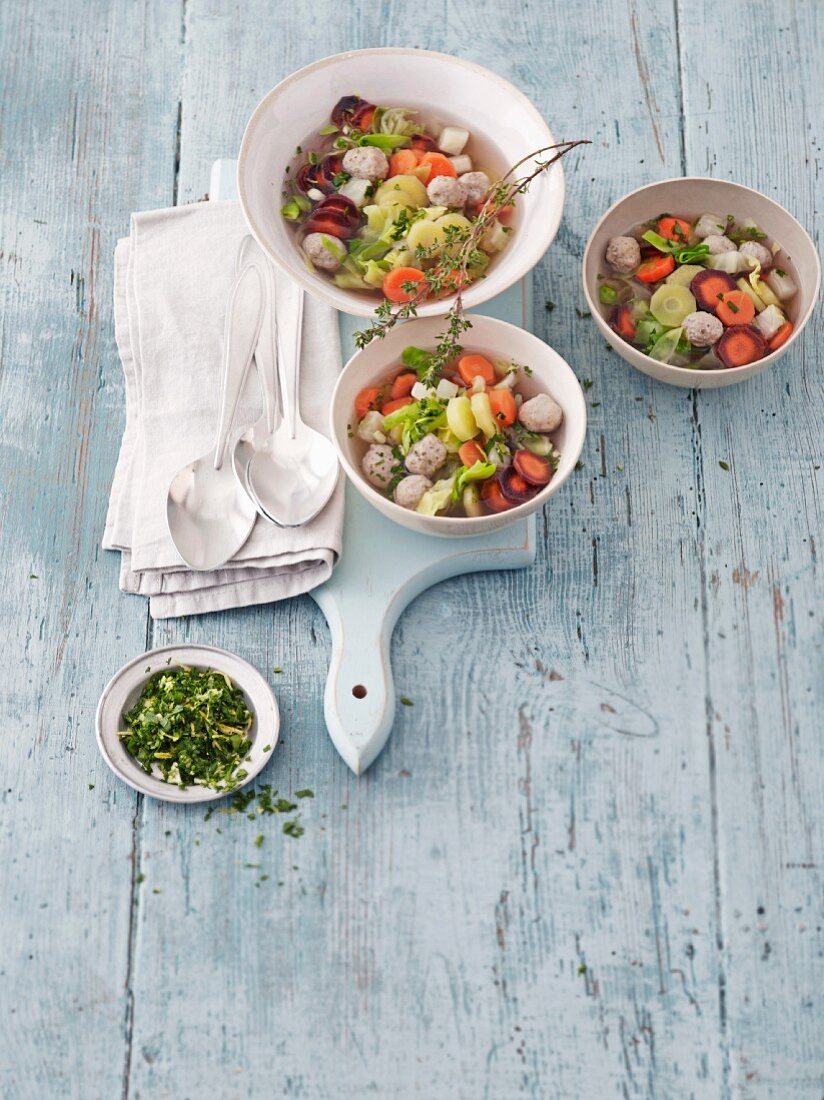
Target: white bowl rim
(470,525)
(474,295)
(685,372)
(193,794)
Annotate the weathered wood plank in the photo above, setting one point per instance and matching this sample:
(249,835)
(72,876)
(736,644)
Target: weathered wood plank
(517,899)
(88,135)
(763,589)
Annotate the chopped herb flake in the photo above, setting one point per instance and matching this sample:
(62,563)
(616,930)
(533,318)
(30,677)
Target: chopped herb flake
(724,465)
(406,701)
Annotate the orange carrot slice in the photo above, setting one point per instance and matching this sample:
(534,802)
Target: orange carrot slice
(503,405)
(734,308)
(493,497)
(471,452)
(367,399)
(781,337)
(655,269)
(402,386)
(393,284)
(392,406)
(474,366)
(402,162)
(675,229)
(438,166)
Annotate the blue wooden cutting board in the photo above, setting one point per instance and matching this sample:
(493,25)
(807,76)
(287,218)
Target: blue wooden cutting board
(383,567)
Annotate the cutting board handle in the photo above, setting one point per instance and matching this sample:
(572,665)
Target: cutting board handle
(359,699)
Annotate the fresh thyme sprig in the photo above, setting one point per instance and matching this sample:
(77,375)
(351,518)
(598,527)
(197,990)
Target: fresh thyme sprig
(461,254)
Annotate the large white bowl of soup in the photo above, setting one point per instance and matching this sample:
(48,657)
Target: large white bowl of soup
(486,440)
(468,116)
(700,282)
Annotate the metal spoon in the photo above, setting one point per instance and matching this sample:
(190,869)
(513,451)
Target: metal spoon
(295,473)
(209,517)
(266,362)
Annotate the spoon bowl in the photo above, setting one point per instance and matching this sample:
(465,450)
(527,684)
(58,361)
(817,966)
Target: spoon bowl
(208,515)
(295,472)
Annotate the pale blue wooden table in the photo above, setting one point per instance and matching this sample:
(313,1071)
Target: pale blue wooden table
(589,862)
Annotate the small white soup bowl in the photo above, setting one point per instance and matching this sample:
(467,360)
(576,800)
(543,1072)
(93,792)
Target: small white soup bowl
(504,125)
(689,197)
(496,339)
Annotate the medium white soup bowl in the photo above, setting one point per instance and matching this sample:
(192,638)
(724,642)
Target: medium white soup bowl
(689,197)
(503,123)
(497,339)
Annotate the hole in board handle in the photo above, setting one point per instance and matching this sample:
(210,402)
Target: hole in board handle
(359,691)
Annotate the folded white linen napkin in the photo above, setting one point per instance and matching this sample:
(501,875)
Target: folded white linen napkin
(172,280)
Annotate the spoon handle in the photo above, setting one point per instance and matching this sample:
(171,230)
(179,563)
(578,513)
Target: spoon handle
(289,331)
(244,313)
(266,355)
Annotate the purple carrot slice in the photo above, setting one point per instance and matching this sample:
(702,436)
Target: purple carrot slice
(515,487)
(739,345)
(708,286)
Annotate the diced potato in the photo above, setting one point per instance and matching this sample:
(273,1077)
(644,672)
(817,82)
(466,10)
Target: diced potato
(452,140)
(454,219)
(461,164)
(446,389)
(404,190)
(427,235)
(460,222)
(460,418)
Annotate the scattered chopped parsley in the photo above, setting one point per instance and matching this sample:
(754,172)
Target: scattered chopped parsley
(724,465)
(91,786)
(307,792)
(293,828)
(587,384)
(406,701)
(277,670)
(549,306)
(259,840)
(582,313)
(33,577)
(192,725)
(582,969)
(579,465)
(140,878)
